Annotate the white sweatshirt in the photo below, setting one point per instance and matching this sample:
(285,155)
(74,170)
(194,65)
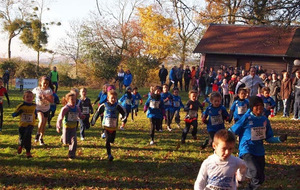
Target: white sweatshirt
(220,175)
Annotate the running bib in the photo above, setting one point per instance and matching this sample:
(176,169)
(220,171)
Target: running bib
(27,118)
(176,104)
(193,114)
(167,103)
(1,99)
(154,104)
(258,133)
(136,102)
(213,187)
(266,105)
(128,101)
(85,110)
(216,120)
(110,122)
(72,116)
(242,109)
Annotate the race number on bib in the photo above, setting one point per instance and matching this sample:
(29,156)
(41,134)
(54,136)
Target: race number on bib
(154,104)
(193,113)
(85,110)
(167,103)
(72,116)
(266,105)
(128,101)
(176,104)
(242,109)
(258,133)
(136,102)
(216,120)
(110,122)
(28,118)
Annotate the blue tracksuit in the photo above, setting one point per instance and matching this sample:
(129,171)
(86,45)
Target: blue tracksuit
(216,117)
(268,101)
(239,108)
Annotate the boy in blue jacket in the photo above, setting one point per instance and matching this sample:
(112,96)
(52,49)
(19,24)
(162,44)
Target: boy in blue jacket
(126,102)
(269,102)
(177,104)
(216,114)
(252,129)
(136,101)
(168,102)
(240,106)
(155,113)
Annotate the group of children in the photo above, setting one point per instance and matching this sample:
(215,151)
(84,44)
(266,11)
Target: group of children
(219,171)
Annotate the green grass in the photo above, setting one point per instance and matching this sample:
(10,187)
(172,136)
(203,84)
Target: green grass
(137,165)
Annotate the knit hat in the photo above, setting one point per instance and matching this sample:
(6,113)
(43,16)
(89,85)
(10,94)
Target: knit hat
(254,101)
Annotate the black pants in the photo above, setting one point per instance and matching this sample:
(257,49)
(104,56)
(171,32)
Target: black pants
(156,124)
(84,124)
(110,138)
(1,115)
(186,85)
(176,115)
(256,170)
(180,83)
(187,128)
(226,100)
(297,109)
(25,137)
(169,117)
(51,115)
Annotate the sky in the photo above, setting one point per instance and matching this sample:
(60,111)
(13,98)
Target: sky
(62,11)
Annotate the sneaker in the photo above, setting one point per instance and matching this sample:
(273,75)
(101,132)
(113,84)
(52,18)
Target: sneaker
(19,150)
(42,142)
(151,142)
(160,130)
(122,128)
(28,155)
(178,125)
(169,128)
(182,141)
(204,145)
(81,138)
(37,136)
(103,136)
(294,119)
(110,157)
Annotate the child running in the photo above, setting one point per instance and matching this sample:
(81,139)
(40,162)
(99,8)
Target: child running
(43,99)
(252,129)
(111,110)
(221,170)
(177,104)
(86,109)
(68,119)
(126,102)
(53,109)
(3,91)
(155,107)
(240,106)
(269,102)
(216,114)
(168,101)
(192,108)
(26,111)
(136,99)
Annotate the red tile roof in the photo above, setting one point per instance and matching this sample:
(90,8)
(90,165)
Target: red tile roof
(250,40)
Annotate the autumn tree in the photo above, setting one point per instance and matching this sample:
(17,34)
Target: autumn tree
(158,33)
(14,14)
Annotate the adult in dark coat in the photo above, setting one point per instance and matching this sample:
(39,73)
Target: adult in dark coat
(5,78)
(163,72)
(285,93)
(179,75)
(187,78)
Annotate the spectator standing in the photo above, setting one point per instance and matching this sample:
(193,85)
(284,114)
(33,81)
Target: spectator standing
(172,77)
(179,75)
(274,86)
(163,72)
(5,78)
(296,87)
(209,80)
(187,78)
(54,78)
(127,78)
(285,93)
(120,78)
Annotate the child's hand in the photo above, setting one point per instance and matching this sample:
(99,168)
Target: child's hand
(283,138)
(58,129)
(191,106)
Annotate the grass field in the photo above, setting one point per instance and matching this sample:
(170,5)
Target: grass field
(137,165)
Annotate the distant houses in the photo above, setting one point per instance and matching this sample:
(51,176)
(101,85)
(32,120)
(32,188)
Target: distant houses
(274,48)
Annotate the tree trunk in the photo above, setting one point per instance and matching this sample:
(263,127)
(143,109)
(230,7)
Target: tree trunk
(8,51)
(38,63)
